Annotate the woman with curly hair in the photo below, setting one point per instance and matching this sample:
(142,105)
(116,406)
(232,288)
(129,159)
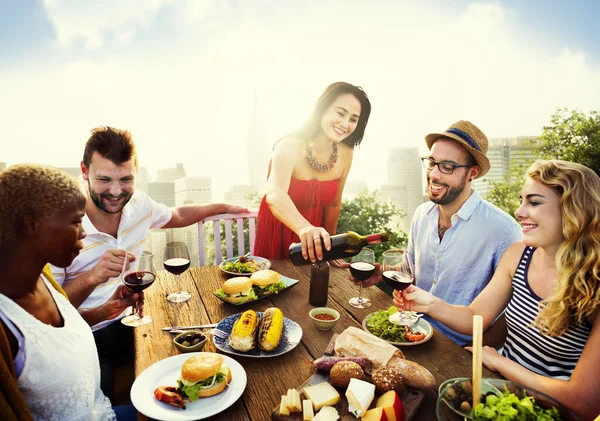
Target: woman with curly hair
(48,360)
(307,174)
(549,285)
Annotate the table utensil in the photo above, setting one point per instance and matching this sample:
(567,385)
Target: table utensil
(189,327)
(138,276)
(362,267)
(167,371)
(324,324)
(290,338)
(177,261)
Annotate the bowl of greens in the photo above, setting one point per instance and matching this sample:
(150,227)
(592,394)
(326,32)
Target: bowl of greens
(244,265)
(378,324)
(500,400)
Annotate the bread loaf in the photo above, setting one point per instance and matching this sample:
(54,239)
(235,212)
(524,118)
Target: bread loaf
(413,374)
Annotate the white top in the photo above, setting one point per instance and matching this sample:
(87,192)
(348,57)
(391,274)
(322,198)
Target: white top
(60,379)
(139,216)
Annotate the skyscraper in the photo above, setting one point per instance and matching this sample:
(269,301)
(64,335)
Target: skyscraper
(162,193)
(171,174)
(405,182)
(503,154)
(193,190)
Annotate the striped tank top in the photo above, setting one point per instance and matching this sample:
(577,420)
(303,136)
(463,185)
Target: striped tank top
(546,355)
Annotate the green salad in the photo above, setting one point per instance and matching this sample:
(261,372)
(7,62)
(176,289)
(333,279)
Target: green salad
(379,325)
(508,407)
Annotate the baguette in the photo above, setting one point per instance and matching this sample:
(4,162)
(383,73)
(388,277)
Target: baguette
(413,374)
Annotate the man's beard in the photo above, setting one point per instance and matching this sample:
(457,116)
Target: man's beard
(451,194)
(97,199)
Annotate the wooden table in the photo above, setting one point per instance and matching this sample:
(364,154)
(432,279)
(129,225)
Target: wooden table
(269,378)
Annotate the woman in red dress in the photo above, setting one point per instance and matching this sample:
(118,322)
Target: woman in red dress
(307,174)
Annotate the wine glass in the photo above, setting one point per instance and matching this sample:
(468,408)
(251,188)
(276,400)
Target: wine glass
(397,274)
(362,267)
(177,261)
(137,277)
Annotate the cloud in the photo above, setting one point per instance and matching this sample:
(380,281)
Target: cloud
(190,100)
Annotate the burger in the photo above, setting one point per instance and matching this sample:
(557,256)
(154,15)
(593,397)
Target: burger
(266,282)
(237,290)
(204,375)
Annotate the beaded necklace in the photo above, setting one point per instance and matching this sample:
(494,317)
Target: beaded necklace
(323,167)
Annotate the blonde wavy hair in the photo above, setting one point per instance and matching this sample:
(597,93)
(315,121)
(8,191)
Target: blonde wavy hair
(575,297)
(37,189)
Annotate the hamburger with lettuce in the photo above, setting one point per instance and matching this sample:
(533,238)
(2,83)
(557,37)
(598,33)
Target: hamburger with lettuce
(237,290)
(204,375)
(267,282)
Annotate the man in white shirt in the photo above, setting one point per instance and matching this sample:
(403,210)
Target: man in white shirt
(118,219)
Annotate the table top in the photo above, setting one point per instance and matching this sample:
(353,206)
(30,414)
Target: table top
(269,378)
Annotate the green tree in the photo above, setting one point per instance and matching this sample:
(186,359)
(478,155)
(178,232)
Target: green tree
(367,213)
(573,136)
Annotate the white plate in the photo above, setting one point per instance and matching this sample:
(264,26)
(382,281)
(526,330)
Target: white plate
(290,338)
(266,264)
(165,373)
(422,326)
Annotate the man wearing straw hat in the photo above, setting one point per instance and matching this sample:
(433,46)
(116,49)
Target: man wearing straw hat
(456,240)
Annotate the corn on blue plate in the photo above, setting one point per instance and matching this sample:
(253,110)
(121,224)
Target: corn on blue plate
(290,338)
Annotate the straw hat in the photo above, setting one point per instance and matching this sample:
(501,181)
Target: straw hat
(469,136)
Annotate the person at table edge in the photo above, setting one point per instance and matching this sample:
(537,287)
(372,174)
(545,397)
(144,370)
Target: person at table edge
(118,219)
(457,239)
(304,195)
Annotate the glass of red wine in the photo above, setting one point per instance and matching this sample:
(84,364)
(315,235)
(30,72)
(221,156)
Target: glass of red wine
(362,267)
(177,261)
(137,277)
(396,274)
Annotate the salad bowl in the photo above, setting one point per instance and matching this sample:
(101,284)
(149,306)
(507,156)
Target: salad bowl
(454,392)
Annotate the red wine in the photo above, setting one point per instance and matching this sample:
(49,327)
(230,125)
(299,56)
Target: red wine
(362,270)
(397,280)
(177,265)
(342,246)
(139,281)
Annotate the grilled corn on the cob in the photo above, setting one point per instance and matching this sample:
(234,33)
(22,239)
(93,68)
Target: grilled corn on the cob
(243,333)
(270,330)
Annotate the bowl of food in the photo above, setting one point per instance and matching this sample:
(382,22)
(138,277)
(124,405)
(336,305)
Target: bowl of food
(244,265)
(324,318)
(500,399)
(192,341)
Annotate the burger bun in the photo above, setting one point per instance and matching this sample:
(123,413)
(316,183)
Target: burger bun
(237,285)
(266,277)
(201,366)
(216,388)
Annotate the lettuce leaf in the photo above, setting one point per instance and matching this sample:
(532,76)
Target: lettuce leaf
(192,391)
(269,289)
(508,407)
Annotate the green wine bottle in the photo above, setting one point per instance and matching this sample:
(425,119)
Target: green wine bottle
(342,245)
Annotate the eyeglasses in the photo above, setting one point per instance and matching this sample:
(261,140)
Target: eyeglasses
(444,167)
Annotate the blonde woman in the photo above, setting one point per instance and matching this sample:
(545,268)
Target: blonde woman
(549,285)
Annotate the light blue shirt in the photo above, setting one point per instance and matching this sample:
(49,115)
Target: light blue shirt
(459,267)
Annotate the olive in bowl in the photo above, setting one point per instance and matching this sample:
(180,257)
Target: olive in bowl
(192,341)
(324,318)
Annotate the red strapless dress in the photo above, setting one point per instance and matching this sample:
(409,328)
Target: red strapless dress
(273,238)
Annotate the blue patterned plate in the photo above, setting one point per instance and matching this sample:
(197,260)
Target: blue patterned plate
(290,338)
(289,282)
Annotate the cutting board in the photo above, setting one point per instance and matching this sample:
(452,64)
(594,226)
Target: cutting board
(411,398)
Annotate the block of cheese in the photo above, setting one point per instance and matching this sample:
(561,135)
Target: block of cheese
(375,414)
(294,404)
(360,394)
(392,405)
(327,413)
(322,394)
(283,406)
(307,410)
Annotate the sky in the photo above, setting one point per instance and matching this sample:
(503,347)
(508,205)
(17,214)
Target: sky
(182,75)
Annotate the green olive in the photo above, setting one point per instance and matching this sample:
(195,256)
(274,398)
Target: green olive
(451,393)
(196,341)
(467,387)
(465,407)
(186,343)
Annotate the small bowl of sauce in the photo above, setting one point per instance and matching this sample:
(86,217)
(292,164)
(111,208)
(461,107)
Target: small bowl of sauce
(324,318)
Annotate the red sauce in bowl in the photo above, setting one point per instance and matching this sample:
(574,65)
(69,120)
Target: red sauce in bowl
(323,316)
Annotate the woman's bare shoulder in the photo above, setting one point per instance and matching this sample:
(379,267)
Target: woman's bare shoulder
(291,142)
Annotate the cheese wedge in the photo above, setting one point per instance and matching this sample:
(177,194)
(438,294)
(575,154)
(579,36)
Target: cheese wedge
(322,394)
(327,413)
(360,394)
(283,406)
(294,404)
(307,410)
(375,414)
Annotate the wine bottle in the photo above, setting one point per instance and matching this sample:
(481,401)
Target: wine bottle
(342,245)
